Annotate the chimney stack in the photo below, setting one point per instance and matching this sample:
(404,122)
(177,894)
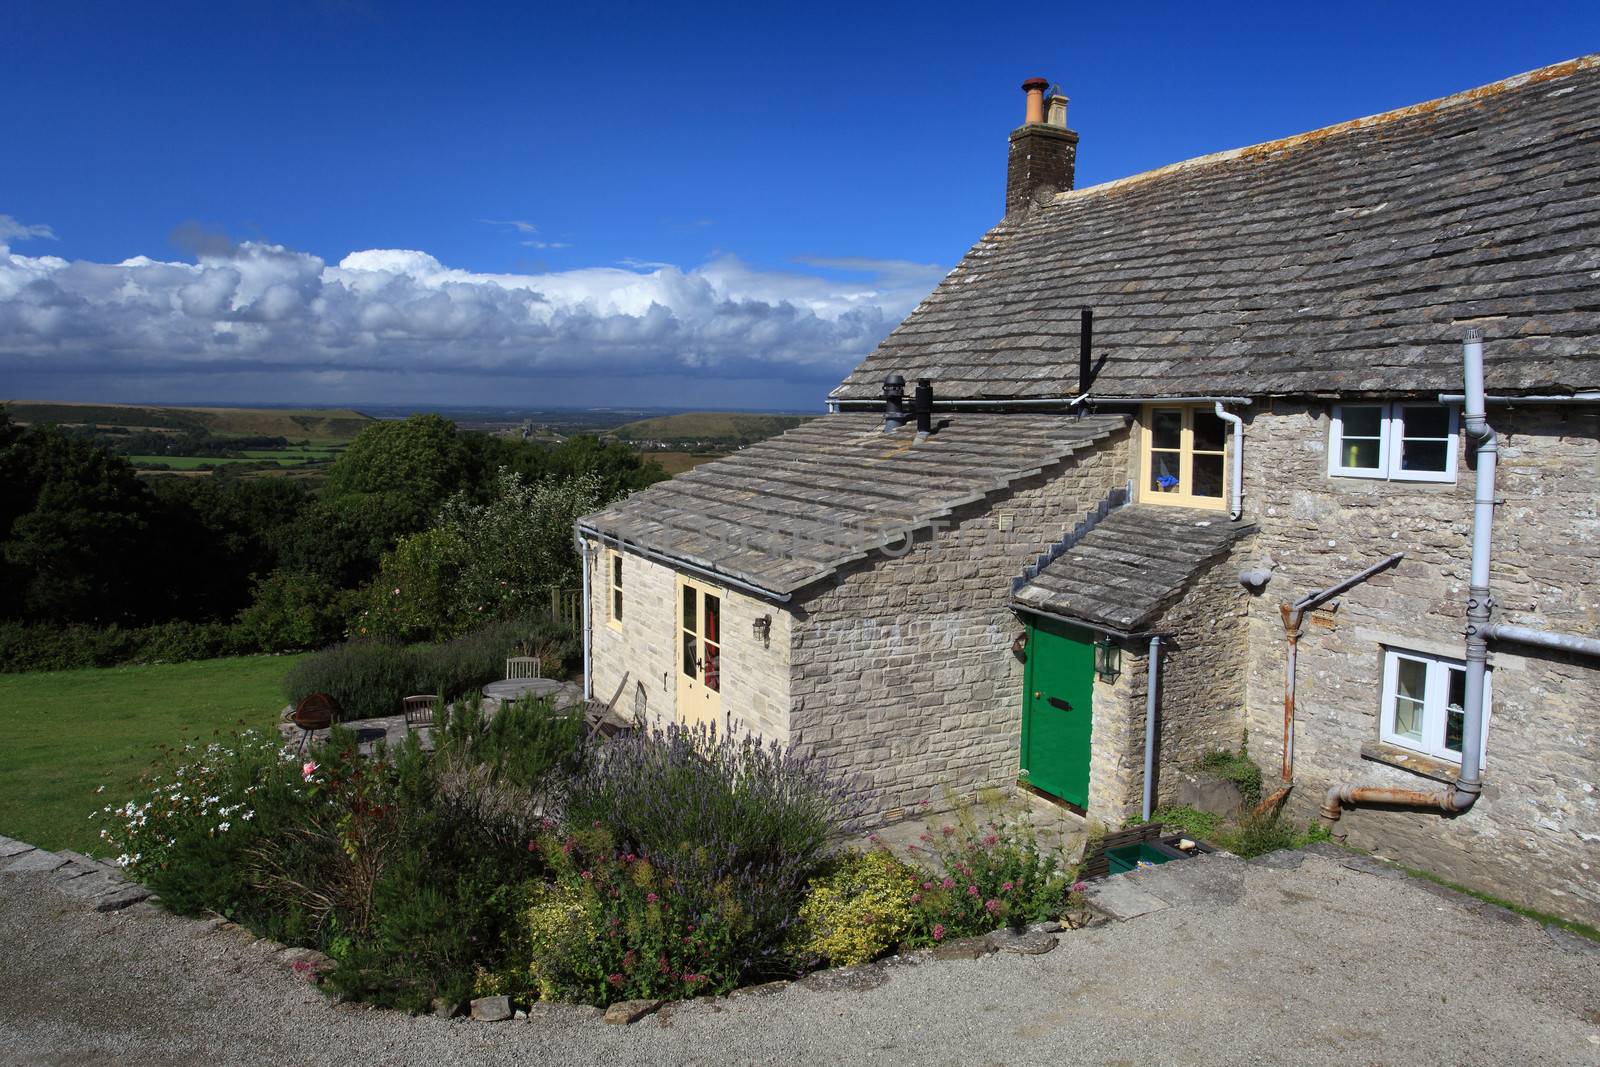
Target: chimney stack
(1043,151)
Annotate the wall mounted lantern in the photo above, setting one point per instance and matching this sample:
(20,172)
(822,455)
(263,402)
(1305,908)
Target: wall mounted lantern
(1107,659)
(762,630)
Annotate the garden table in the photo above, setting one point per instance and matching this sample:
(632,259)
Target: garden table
(510,689)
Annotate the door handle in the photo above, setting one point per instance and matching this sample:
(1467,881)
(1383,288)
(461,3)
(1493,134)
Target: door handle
(1057,702)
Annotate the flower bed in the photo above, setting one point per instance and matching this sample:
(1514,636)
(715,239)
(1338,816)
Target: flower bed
(516,861)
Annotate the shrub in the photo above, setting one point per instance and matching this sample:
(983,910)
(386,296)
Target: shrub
(860,910)
(719,816)
(1236,767)
(51,647)
(995,874)
(526,745)
(369,678)
(613,926)
(207,807)
(294,610)
(1192,822)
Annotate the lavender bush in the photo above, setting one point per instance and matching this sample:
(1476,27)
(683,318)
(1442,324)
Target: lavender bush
(728,819)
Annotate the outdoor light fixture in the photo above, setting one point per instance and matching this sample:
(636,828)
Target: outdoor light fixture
(763,630)
(1107,659)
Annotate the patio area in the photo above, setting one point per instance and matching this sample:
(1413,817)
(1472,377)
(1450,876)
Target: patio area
(391,729)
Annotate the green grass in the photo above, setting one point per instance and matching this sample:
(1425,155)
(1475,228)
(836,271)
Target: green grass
(191,463)
(66,733)
(1544,918)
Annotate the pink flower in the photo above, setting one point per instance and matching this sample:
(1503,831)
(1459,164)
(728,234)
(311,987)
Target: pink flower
(586,876)
(991,840)
(615,979)
(938,931)
(972,890)
(308,770)
(916,898)
(927,885)
(948,831)
(1008,887)
(651,898)
(992,907)
(949,883)
(1078,887)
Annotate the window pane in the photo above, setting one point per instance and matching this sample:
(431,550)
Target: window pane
(688,608)
(1428,421)
(713,672)
(1424,455)
(1362,421)
(1362,455)
(616,604)
(616,571)
(1166,428)
(1411,688)
(1455,714)
(1164,472)
(713,629)
(1208,432)
(1207,476)
(689,667)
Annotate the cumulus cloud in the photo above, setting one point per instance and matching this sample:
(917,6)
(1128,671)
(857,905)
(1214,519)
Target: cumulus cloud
(254,306)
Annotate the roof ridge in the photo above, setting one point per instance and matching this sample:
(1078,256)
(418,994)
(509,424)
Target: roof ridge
(1516,81)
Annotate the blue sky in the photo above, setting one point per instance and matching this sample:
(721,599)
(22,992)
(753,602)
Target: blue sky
(551,204)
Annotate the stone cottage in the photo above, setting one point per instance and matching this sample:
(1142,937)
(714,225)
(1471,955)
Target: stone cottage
(1193,456)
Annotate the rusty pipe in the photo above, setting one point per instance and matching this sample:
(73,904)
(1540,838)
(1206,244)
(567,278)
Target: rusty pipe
(1291,633)
(1449,800)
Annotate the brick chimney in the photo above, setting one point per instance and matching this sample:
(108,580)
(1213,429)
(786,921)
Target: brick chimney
(1043,151)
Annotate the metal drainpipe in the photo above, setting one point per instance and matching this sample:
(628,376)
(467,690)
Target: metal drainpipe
(1461,795)
(1151,685)
(1587,646)
(583,553)
(1293,615)
(1237,510)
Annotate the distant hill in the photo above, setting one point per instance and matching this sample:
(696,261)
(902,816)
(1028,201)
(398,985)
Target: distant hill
(330,424)
(708,427)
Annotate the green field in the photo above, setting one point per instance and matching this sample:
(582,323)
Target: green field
(709,425)
(66,733)
(327,424)
(194,463)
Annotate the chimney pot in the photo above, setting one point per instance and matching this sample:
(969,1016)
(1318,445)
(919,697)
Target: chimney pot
(894,403)
(1057,106)
(1035,88)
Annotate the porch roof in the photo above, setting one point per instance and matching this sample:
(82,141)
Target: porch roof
(793,509)
(1126,571)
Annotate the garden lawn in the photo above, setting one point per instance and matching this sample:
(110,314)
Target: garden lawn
(66,733)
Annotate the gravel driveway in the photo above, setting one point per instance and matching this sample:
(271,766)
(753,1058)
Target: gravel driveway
(1297,958)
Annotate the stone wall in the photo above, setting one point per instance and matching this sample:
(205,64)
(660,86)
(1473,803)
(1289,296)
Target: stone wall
(1200,702)
(1534,837)
(635,665)
(902,666)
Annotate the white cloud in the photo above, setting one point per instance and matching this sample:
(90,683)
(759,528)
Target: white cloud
(262,307)
(520,225)
(546,244)
(12,230)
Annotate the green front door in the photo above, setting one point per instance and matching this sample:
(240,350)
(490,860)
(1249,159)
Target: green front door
(1056,700)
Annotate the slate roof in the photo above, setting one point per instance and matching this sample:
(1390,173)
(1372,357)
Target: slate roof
(792,509)
(1350,259)
(1133,565)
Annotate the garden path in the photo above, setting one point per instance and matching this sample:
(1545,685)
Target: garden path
(1305,958)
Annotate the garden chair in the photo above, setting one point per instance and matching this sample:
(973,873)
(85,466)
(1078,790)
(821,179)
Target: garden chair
(523,667)
(318,711)
(419,710)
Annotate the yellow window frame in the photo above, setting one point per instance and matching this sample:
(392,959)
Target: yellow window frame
(614,586)
(1181,494)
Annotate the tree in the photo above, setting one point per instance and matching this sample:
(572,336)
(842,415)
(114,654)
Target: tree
(482,561)
(75,525)
(410,466)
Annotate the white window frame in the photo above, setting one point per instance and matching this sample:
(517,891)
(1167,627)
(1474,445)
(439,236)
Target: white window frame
(1391,444)
(1435,698)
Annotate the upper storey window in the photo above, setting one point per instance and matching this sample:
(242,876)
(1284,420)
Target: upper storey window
(1185,455)
(1399,441)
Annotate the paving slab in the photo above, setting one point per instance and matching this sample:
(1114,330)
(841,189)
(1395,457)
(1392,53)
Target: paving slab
(1122,899)
(10,847)
(36,861)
